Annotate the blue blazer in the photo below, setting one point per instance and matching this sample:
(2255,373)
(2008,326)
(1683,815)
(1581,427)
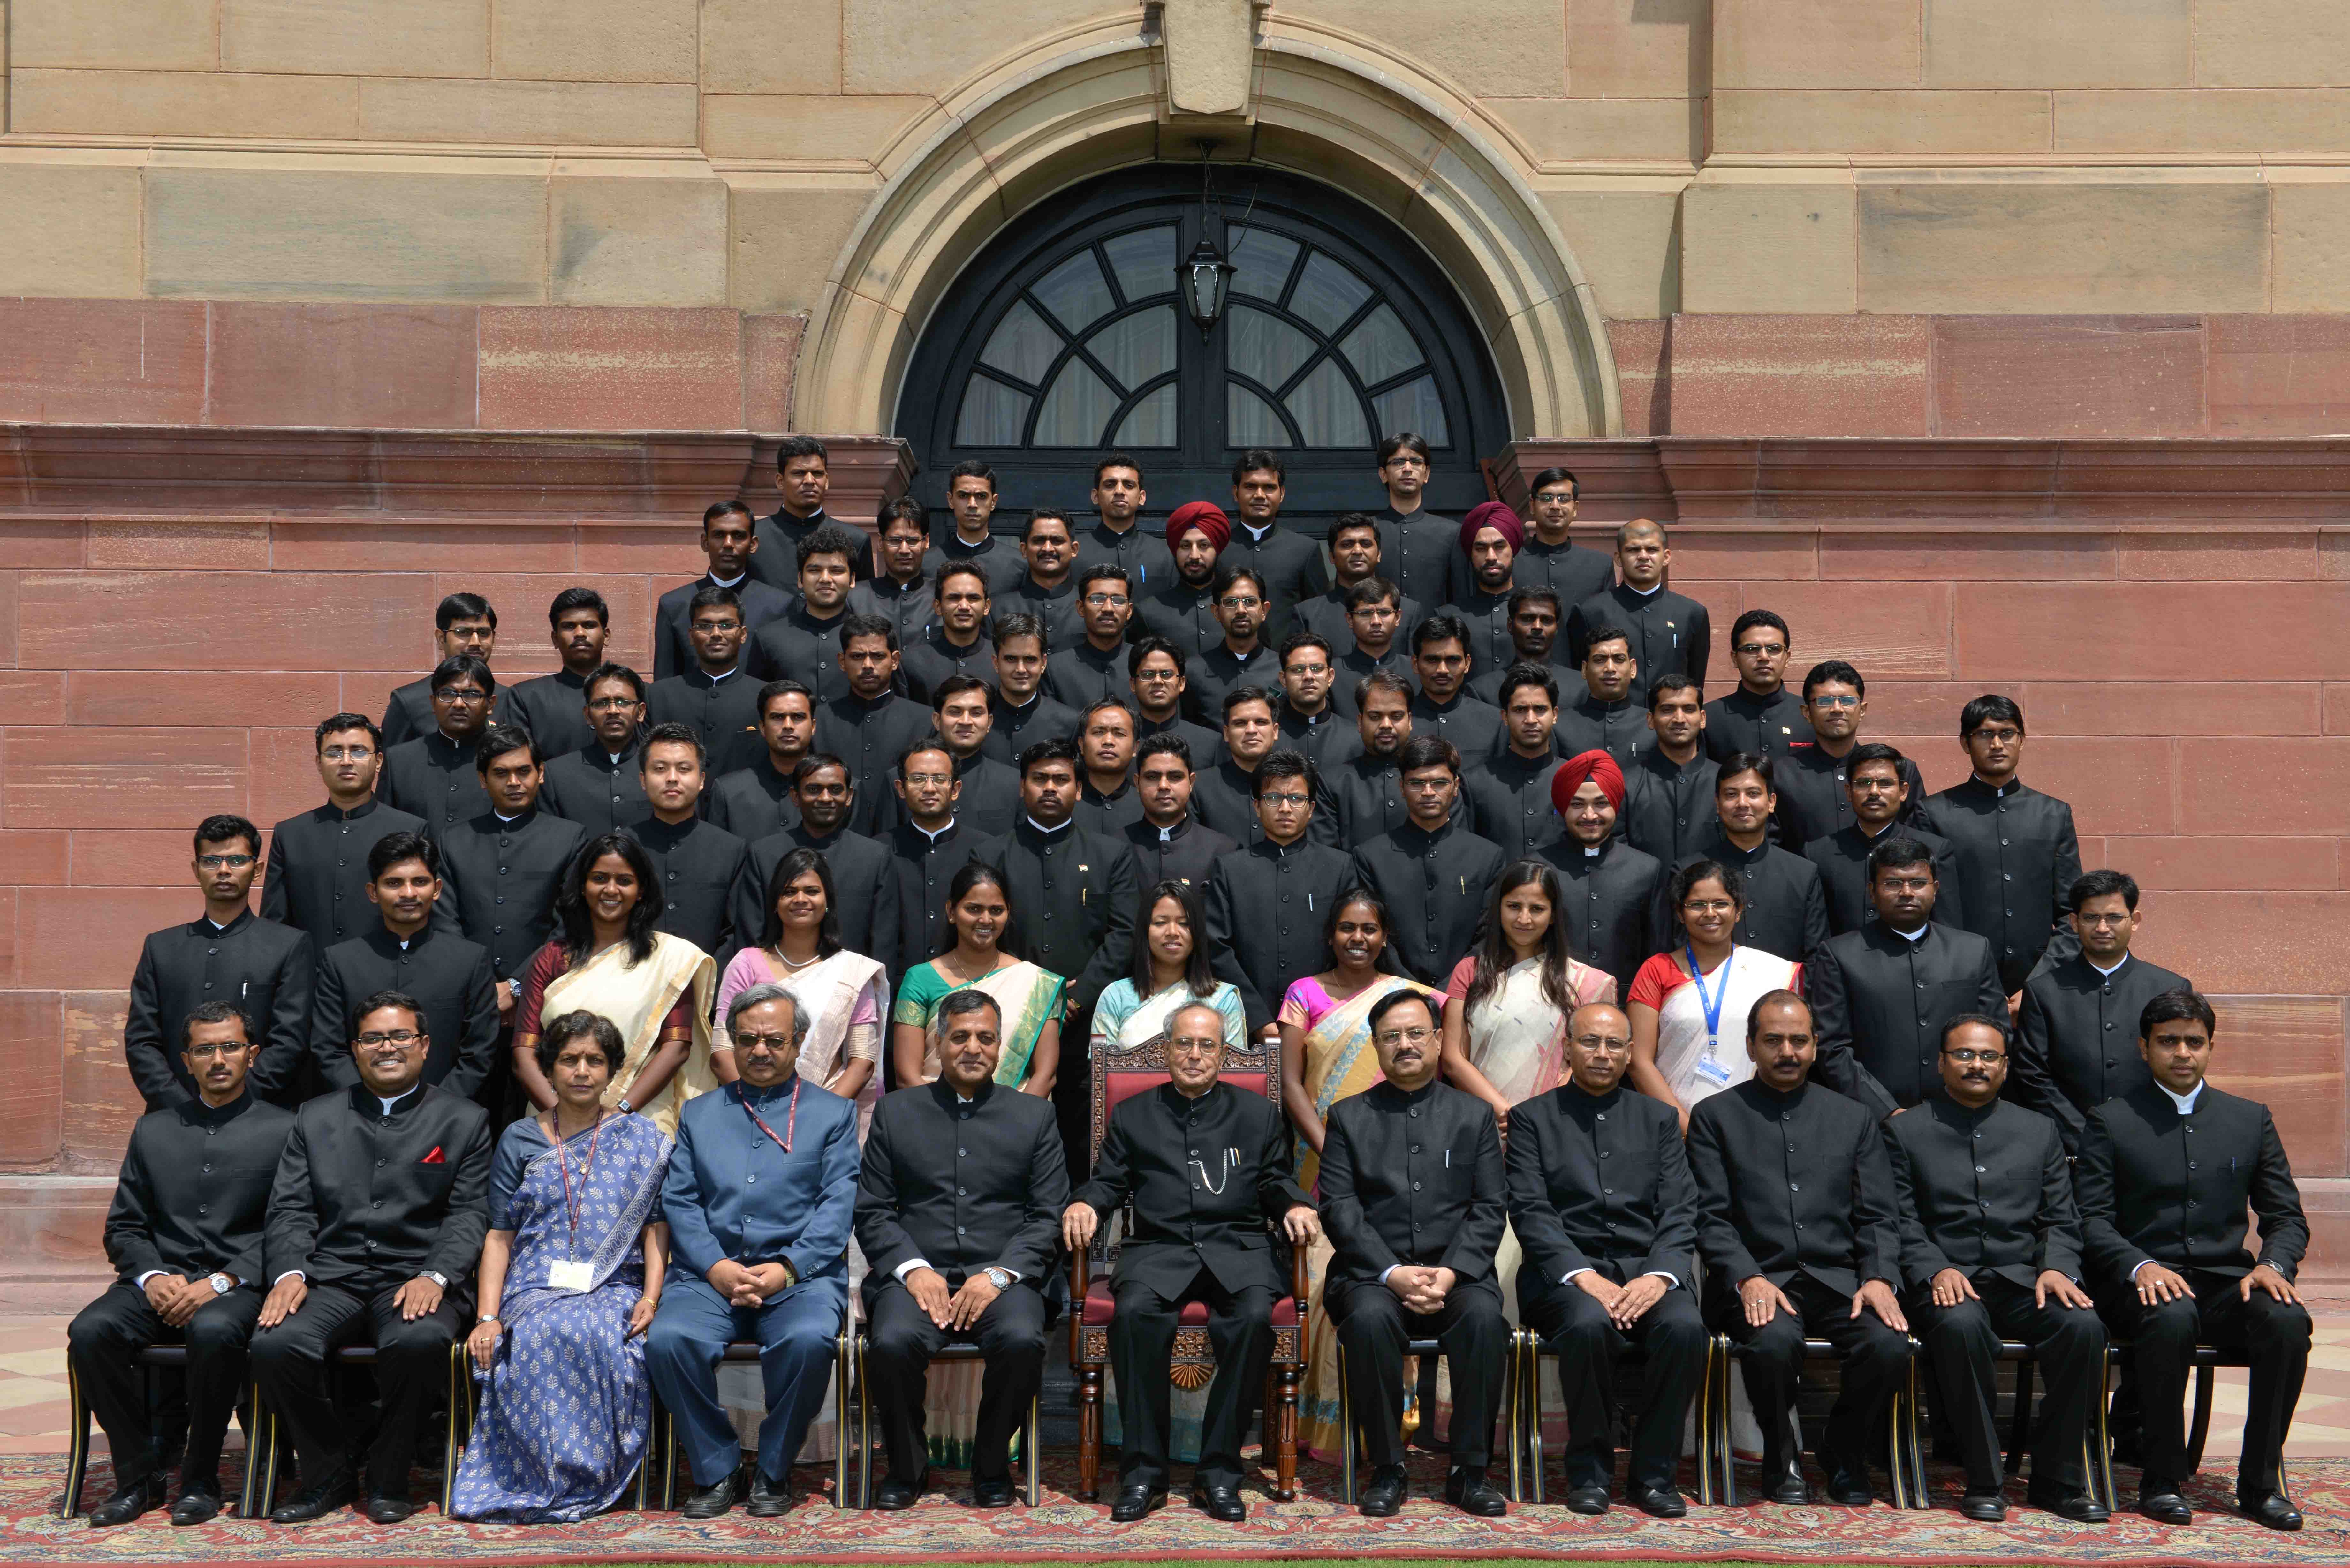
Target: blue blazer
(731,1192)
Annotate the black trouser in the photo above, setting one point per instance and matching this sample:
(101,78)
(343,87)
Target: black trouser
(1962,1346)
(2274,1335)
(1142,1346)
(411,1365)
(106,1338)
(1874,1353)
(1671,1336)
(901,1341)
(1375,1330)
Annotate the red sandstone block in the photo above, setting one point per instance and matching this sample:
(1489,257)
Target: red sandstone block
(2169,707)
(174,697)
(31,1113)
(140,857)
(771,349)
(2044,376)
(2279,375)
(186,545)
(366,546)
(2334,558)
(2264,784)
(572,367)
(223,620)
(32,697)
(368,691)
(11,604)
(1925,708)
(34,858)
(1800,375)
(2337,708)
(2220,558)
(2225,862)
(1896,555)
(101,362)
(283,777)
(2136,632)
(369,367)
(1738,556)
(41,544)
(70,936)
(2286,1052)
(1643,375)
(660,548)
(1884,628)
(121,777)
(2265,943)
(100,1102)
(2115,786)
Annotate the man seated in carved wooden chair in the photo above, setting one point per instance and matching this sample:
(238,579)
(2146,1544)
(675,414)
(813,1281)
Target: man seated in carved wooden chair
(1206,1166)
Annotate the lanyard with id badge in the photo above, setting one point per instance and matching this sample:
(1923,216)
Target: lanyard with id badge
(1711,1068)
(573,1275)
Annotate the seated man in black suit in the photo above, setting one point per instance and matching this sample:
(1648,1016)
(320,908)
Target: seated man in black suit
(1610,1259)
(2165,1175)
(376,1220)
(1413,1186)
(1206,1166)
(1801,1232)
(962,1187)
(184,1237)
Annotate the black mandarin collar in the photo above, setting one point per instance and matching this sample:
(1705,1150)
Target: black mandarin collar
(368,1103)
(1410,831)
(886,583)
(1949,1110)
(1728,853)
(807,837)
(1655,760)
(703,679)
(195,1112)
(1592,702)
(1579,1101)
(1974,788)
(1742,701)
(1005,707)
(383,942)
(937,639)
(1778,1100)
(331,811)
(1267,848)
(850,703)
(602,761)
(1104,534)
(1423,700)
(446,751)
(801,618)
(1030,589)
(1884,937)
(655,834)
(949,1101)
(1408,1098)
(1182,1108)
(1125,788)
(202,926)
(1573,852)
(1029,832)
(515,824)
(1180,830)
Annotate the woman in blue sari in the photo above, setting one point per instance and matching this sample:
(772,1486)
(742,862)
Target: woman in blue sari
(570,1274)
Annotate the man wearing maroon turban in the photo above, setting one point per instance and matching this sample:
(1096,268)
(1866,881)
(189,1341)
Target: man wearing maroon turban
(1595,767)
(1184,611)
(1490,538)
(1607,888)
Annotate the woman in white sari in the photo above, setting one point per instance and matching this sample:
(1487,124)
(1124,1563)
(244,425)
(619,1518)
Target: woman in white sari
(607,959)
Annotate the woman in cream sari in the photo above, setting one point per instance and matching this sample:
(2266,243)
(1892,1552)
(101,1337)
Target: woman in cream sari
(608,960)
(1326,1055)
(1506,1012)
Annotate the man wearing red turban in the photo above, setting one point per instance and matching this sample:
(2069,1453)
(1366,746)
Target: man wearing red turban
(1204,515)
(1597,767)
(1184,611)
(1490,538)
(1607,888)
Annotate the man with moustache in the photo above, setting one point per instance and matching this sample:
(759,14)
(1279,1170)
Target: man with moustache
(2073,1035)
(1760,715)
(932,840)
(184,1235)
(958,1212)
(1242,659)
(1154,672)
(752,802)
(1359,792)
(1668,790)
(1184,612)
(1191,1237)
(1509,797)
(1118,539)
(1490,538)
(1879,800)
(1169,845)
(502,868)
(1671,634)
(718,695)
(803,643)
(1814,798)
(1883,993)
(1270,903)
(1550,558)
(1432,872)
(696,859)
(1224,796)
(1786,910)
(963,718)
(959,644)
(1416,547)
(730,538)
(317,878)
(553,708)
(464,625)
(1287,565)
(1443,709)
(970,502)
(1415,1197)
(449,976)
(1609,890)
(1602,1202)
(1106,801)
(1382,642)
(1605,715)
(1534,640)
(863,880)
(869,726)
(376,1218)
(1093,669)
(2017,853)
(1048,589)
(803,481)
(1800,1226)
(902,593)
(1024,715)
(1992,1250)
(225,954)
(432,778)
(1353,542)
(598,786)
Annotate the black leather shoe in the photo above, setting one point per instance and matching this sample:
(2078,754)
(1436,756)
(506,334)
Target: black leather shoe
(1591,1500)
(1219,1503)
(1383,1495)
(197,1505)
(1138,1502)
(2077,1506)
(769,1500)
(1784,1482)
(318,1501)
(1467,1489)
(384,1509)
(127,1504)
(995,1493)
(1657,1502)
(2164,1508)
(893,1494)
(1848,1484)
(713,1501)
(1987,1506)
(2274,1510)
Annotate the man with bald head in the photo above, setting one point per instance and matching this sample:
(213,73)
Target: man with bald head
(1602,1202)
(1671,634)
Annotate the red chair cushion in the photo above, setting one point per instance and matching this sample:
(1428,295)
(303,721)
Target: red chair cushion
(1118,1087)
(1101,1306)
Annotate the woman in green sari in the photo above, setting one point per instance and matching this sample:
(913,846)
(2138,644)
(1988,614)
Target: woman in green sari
(1326,1055)
(979,912)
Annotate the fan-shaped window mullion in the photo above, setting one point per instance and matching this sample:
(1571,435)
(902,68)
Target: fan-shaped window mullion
(1297,435)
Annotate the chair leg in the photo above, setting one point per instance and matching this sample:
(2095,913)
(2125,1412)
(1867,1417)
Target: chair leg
(452,1447)
(1292,1380)
(1703,1413)
(841,1423)
(2099,1442)
(1725,1458)
(1531,1369)
(1089,1433)
(2201,1430)
(77,1453)
(1512,1398)
(864,1430)
(2018,1442)
(1032,1457)
(1345,1433)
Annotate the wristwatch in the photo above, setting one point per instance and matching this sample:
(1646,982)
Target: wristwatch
(622,1105)
(222,1284)
(439,1279)
(999,1277)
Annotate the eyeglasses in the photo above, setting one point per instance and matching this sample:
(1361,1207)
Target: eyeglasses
(216,1048)
(1966,1058)
(1285,797)
(2101,921)
(1709,906)
(1758,649)
(404,1038)
(2007,735)
(1194,1047)
(460,694)
(223,862)
(1104,601)
(1838,701)
(1417,1036)
(610,704)
(1240,601)
(763,1041)
(348,753)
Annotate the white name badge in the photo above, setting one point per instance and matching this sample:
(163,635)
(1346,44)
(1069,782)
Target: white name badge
(571,1276)
(1711,1071)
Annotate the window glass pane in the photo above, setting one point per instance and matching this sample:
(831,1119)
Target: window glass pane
(1327,292)
(1327,410)
(1380,347)
(1249,420)
(1414,407)
(1074,291)
(1022,344)
(1075,408)
(1265,347)
(1137,348)
(991,415)
(1263,261)
(1144,262)
(1150,422)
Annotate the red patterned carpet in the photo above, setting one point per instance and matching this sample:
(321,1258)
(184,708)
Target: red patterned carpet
(1316,1526)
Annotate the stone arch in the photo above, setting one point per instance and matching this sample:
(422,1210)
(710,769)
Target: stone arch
(1409,146)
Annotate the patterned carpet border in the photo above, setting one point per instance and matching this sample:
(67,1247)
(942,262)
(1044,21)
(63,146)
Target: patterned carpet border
(1316,1526)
